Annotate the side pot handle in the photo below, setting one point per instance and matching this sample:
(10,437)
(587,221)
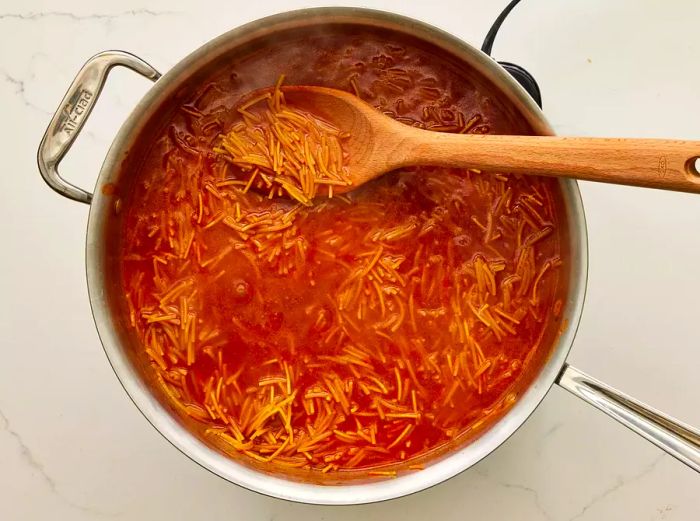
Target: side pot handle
(73,112)
(676,438)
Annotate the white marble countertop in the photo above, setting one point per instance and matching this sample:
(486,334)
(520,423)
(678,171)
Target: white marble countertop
(72,445)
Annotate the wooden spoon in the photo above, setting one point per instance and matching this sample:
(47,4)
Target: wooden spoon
(379,144)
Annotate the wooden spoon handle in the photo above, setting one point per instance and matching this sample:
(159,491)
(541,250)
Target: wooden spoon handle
(655,163)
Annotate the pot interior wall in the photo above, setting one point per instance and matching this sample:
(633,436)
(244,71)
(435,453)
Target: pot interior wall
(237,64)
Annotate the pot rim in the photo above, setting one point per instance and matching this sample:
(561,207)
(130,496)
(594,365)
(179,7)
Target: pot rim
(450,465)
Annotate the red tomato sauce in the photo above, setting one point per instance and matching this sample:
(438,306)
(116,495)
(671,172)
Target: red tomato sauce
(361,333)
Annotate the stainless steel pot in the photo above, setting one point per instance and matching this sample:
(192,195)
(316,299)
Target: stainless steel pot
(679,440)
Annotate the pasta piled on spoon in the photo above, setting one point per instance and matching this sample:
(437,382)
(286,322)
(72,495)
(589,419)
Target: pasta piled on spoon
(285,149)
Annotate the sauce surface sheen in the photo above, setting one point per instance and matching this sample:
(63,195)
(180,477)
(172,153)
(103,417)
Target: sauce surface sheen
(363,332)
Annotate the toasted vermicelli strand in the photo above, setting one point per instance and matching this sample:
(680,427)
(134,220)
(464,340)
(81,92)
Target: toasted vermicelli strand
(298,152)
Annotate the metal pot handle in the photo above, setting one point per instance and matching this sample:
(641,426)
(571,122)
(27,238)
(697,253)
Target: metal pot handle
(73,112)
(676,438)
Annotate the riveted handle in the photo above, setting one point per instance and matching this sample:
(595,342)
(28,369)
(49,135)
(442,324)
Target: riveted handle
(73,112)
(672,436)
